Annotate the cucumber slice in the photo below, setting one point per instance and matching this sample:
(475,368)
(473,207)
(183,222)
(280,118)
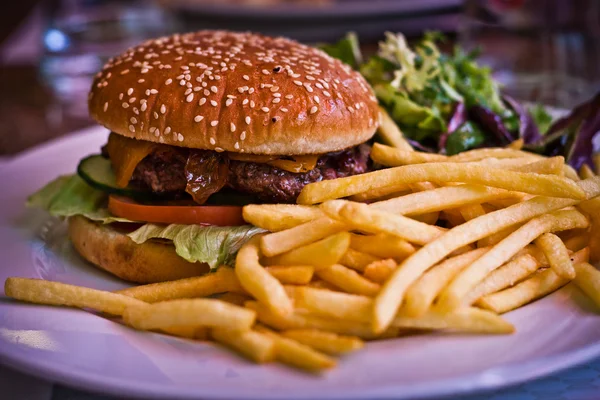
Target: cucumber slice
(97,172)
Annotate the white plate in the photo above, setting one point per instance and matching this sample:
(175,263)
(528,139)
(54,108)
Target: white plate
(83,350)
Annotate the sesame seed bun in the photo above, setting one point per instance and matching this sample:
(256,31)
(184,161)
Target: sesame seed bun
(237,92)
(113,251)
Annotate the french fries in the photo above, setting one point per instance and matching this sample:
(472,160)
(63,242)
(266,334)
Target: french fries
(357,260)
(557,255)
(545,185)
(468,319)
(257,346)
(292,274)
(327,342)
(390,133)
(382,246)
(348,280)
(222,280)
(539,285)
(328,303)
(321,254)
(259,282)
(380,271)
(278,217)
(61,294)
(587,279)
(452,296)
(189,312)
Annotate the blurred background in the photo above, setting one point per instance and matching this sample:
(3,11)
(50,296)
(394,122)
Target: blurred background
(541,50)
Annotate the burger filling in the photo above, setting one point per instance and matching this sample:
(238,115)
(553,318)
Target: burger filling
(200,173)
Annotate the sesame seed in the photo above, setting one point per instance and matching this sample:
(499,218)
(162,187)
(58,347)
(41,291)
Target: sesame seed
(213,103)
(182,82)
(289,96)
(129,91)
(232,127)
(153,91)
(357,106)
(167,130)
(187,92)
(319,85)
(274,89)
(276,94)
(246,77)
(228,102)
(190,97)
(219,149)
(214,123)
(308,88)
(163,109)
(197,89)
(152,129)
(132,128)
(350,109)
(180,137)
(132,100)
(251,90)
(157,133)
(120,96)
(125,71)
(133,120)
(206,92)
(265,109)
(105,106)
(243,135)
(236,146)
(326,93)
(147,92)
(214,89)
(283,109)
(202,101)
(212,141)
(155,115)
(168,81)
(247,119)
(144,106)
(252,104)
(298,83)
(125,105)
(265,72)
(314,109)
(198,118)
(245,101)
(276,100)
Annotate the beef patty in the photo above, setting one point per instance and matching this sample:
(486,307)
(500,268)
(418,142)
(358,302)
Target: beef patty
(164,171)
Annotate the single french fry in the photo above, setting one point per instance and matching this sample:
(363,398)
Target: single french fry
(380,271)
(487,152)
(222,280)
(277,217)
(296,354)
(40,291)
(545,185)
(381,245)
(539,285)
(254,345)
(452,296)
(505,276)
(467,319)
(497,237)
(348,280)
(548,166)
(390,133)
(257,281)
(421,294)
(308,321)
(292,274)
(189,312)
(570,172)
(453,217)
(362,217)
(472,211)
(391,295)
(380,194)
(327,342)
(357,260)
(557,255)
(280,242)
(320,254)
(327,303)
(586,172)
(321,284)
(587,279)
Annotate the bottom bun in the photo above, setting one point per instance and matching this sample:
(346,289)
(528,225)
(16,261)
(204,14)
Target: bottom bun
(112,250)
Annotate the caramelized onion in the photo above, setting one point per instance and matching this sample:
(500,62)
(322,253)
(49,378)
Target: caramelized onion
(206,173)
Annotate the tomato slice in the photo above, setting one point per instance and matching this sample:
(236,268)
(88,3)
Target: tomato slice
(175,214)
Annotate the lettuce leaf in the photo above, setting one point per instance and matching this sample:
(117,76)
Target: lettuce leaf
(69,195)
(214,245)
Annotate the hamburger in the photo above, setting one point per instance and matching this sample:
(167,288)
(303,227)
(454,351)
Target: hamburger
(200,124)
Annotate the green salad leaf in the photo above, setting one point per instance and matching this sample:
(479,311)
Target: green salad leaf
(347,50)
(541,117)
(214,245)
(467,136)
(68,196)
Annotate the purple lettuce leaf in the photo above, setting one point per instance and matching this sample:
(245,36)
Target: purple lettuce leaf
(528,130)
(459,116)
(491,122)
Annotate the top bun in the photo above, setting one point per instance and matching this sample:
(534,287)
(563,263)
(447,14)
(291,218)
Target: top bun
(238,92)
